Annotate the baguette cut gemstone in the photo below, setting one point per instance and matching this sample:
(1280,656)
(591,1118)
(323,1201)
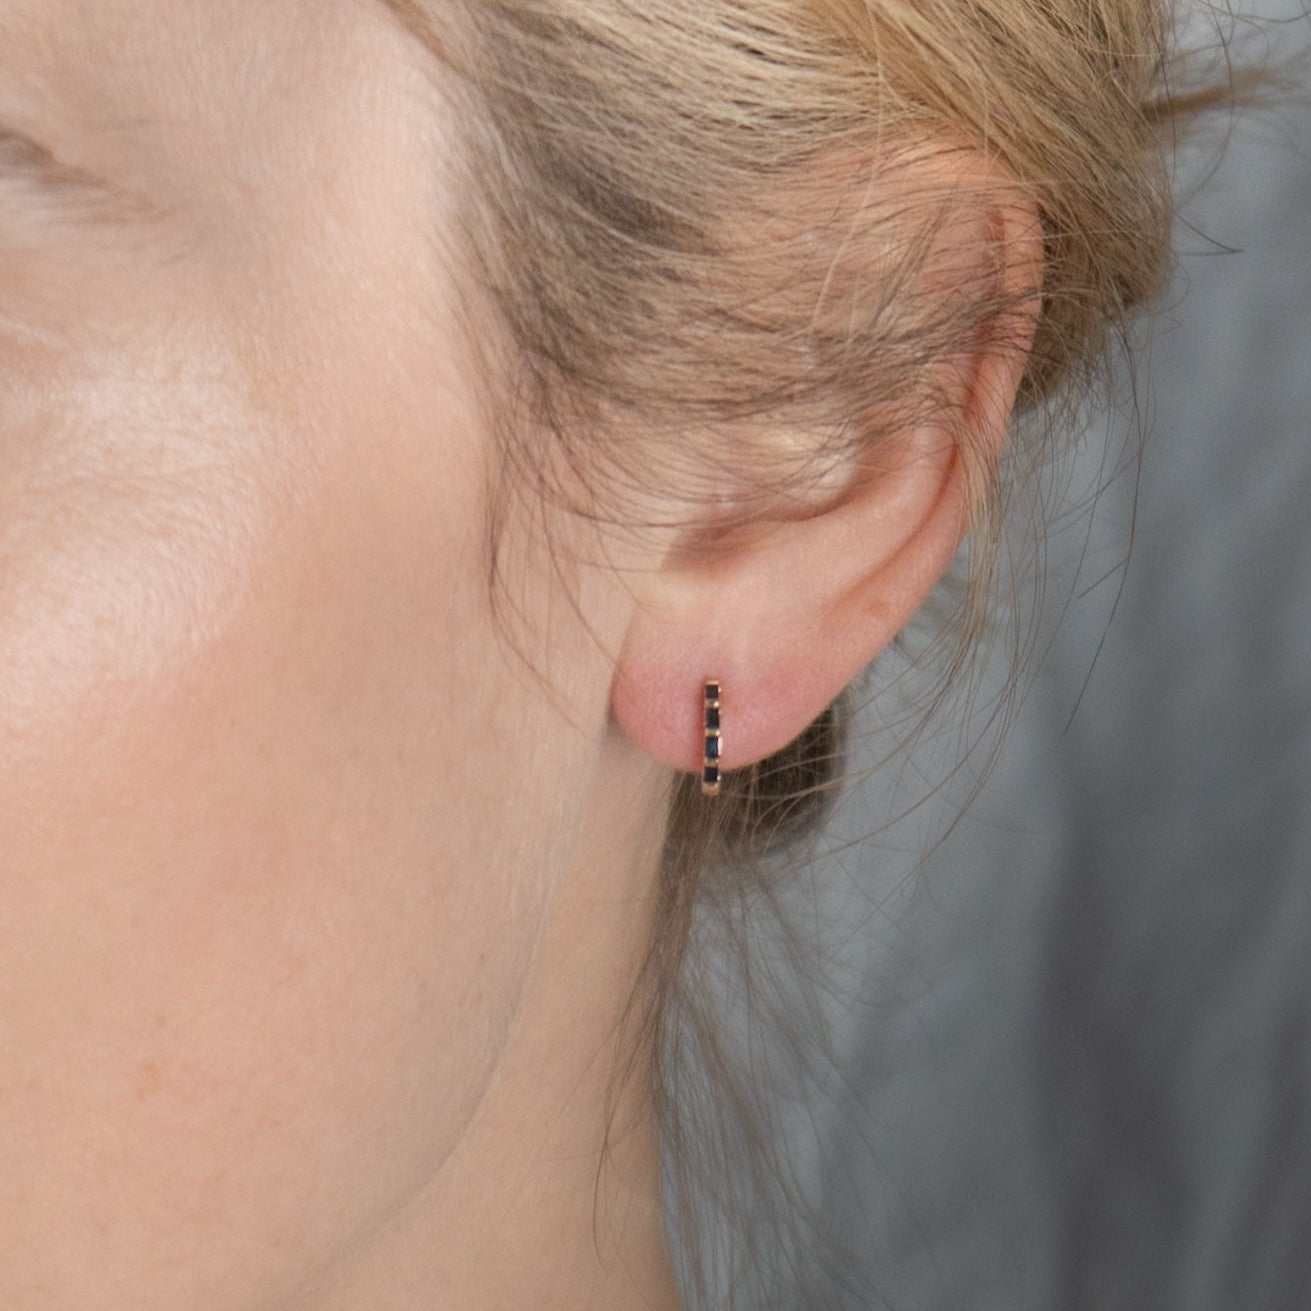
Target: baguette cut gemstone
(713,745)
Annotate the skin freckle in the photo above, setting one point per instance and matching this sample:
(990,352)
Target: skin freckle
(147,1081)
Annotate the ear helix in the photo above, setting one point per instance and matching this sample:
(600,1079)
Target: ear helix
(713,740)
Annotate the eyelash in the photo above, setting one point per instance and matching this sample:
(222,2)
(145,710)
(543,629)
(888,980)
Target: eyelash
(72,191)
(25,160)
(19,151)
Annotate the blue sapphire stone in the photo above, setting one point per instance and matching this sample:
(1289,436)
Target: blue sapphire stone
(712,717)
(712,691)
(712,748)
(711,774)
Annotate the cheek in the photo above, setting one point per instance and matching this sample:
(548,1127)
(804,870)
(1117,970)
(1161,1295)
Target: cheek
(248,890)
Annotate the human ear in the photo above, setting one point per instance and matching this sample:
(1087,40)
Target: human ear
(788,610)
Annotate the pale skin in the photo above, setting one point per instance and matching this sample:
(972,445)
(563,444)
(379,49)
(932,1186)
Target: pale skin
(316,914)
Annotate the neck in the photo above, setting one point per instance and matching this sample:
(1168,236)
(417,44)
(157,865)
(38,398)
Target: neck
(552,1199)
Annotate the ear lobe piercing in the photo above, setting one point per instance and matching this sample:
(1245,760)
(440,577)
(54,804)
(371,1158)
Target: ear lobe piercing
(713,740)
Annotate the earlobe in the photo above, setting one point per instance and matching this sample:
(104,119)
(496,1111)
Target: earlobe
(786,617)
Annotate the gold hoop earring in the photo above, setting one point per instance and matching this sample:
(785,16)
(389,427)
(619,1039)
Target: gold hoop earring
(713,740)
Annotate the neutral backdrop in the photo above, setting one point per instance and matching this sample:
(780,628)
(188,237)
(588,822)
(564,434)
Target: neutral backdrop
(1073,1042)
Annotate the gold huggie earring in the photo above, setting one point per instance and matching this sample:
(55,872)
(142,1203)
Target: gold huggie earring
(714,741)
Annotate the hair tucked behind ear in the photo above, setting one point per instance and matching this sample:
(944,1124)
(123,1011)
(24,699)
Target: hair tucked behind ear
(660,191)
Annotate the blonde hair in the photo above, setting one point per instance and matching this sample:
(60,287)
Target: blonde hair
(661,193)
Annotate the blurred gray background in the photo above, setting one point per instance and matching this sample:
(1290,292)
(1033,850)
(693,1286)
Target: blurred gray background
(1079,1072)
(1073,1042)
